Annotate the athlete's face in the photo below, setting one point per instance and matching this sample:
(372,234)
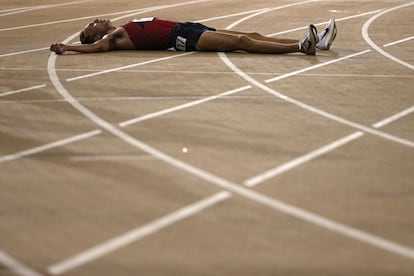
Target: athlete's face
(97,28)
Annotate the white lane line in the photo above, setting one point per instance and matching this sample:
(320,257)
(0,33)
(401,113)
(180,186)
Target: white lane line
(15,267)
(367,38)
(269,10)
(271,173)
(326,22)
(15,9)
(203,20)
(129,12)
(316,66)
(180,107)
(301,160)
(136,234)
(24,52)
(136,98)
(22,90)
(227,185)
(394,117)
(398,41)
(254,82)
(253,181)
(125,123)
(64,141)
(275,204)
(89,158)
(10,157)
(228,15)
(160,59)
(33,8)
(204,72)
(128,66)
(314,109)
(256,12)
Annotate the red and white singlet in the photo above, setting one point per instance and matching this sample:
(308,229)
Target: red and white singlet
(150,33)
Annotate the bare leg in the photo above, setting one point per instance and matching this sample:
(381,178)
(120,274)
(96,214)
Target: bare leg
(230,41)
(258,36)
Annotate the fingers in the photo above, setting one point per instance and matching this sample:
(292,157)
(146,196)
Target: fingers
(54,48)
(58,48)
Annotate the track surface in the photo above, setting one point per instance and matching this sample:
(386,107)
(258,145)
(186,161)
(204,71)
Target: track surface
(172,163)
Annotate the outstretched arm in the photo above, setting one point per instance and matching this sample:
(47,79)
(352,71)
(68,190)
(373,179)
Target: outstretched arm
(103,45)
(116,40)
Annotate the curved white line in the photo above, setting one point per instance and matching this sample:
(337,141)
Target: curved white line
(136,234)
(273,203)
(367,38)
(15,267)
(312,109)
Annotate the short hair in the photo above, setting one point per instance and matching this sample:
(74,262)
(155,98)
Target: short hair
(86,39)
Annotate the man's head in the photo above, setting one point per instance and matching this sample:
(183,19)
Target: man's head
(95,30)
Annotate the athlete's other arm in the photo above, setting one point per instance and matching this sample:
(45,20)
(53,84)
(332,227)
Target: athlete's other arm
(116,40)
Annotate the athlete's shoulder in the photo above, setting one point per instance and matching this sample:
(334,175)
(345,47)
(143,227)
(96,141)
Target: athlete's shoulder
(119,39)
(119,32)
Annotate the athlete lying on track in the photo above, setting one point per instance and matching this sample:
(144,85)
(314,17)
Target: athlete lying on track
(158,34)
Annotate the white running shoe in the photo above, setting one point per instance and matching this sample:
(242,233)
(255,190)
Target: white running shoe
(327,36)
(308,44)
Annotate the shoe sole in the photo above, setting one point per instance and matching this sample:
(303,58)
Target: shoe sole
(328,37)
(313,39)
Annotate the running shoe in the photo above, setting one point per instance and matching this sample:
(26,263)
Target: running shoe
(308,44)
(327,36)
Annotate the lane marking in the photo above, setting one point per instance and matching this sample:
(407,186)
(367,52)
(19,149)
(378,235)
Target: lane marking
(314,109)
(136,234)
(326,22)
(316,66)
(386,245)
(15,9)
(394,117)
(88,158)
(398,41)
(301,160)
(180,107)
(15,267)
(139,98)
(269,10)
(227,16)
(253,181)
(367,38)
(22,90)
(10,157)
(123,124)
(129,66)
(156,60)
(203,20)
(163,112)
(242,74)
(307,157)
(48,146)
(203,72)
(129,12)
(33,8)
(24,52)
(225,184)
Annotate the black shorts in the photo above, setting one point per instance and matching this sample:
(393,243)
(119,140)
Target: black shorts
(185,36)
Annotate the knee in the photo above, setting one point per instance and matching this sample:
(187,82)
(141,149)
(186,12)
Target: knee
(255,35)
(245,42)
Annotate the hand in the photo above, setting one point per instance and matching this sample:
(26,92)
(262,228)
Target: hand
(58,48)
